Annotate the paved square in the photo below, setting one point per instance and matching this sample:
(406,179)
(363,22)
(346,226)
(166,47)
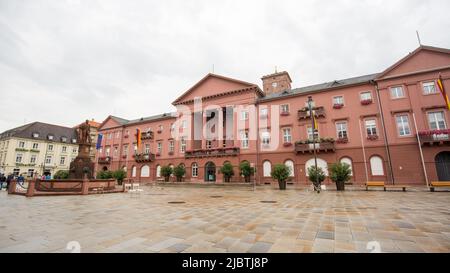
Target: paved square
(222,219)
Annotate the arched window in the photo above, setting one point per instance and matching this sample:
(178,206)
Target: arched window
(133,171)
(376,165)
(158,171)
(348,161)
(320,163)
(267,168)
(145,171)
(290,165)
(194,170)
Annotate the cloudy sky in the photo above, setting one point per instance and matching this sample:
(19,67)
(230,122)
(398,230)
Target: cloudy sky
(64,61)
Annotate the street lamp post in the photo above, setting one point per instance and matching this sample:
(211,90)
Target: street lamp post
(313,129)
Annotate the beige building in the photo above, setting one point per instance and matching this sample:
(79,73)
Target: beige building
(37,148)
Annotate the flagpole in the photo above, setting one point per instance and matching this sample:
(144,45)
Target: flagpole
(364,151)
(421,152)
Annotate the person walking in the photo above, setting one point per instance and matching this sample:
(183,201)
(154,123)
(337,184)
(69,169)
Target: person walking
(2,180)
(8,180)
(21,179)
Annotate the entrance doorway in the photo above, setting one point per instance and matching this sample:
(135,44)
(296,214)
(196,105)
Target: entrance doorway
(210,172)
(442,161)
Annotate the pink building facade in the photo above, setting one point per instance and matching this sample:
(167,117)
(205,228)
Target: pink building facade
(390,126)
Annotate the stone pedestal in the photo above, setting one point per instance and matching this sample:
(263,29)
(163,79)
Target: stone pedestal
(82,164)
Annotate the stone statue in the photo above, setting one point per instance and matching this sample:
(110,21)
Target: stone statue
(84,133)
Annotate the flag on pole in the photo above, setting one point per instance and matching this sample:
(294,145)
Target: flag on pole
(138,138)
(316,127)
(440,84)
(99,141)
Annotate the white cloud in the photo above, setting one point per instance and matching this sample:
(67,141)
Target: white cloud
(65,61)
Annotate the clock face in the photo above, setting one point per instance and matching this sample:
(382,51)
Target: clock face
(274,85)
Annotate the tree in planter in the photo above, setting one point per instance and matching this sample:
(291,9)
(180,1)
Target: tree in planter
(166,172)
(227,171)
(316,176)
(339,174)
(104,175)
(61,174)
(246,170)
(120,175)
(179,171)
(281,173)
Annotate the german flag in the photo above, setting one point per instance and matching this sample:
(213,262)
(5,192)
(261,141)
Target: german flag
(138,138)
(440,84)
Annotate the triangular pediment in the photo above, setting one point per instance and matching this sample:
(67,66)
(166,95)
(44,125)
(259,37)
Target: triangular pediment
(211,85)
(112,122)
(422,59)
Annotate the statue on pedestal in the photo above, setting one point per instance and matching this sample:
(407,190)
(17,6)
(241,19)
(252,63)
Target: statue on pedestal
(82,163)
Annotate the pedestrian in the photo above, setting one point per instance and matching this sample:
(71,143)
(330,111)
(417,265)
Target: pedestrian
(21,179)
(48,177)
(2,180)
(8,180)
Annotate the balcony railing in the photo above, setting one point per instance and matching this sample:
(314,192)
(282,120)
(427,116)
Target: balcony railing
(304,113)
(438,137)
(104,160)
(326,146)
(147,135)
(144,157)
(218,152)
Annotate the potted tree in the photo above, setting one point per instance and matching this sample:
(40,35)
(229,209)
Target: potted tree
(227,171)
(120,175)
(246,170)
(166,172)
(179,171)
(339,174)
(281,173)
(316,176)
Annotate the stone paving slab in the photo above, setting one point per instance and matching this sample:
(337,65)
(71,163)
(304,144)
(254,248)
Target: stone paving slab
(300,221)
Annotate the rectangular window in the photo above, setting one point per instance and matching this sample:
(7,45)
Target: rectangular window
(16,172)
(21,144)
(208,144)
(183,145)
(35,146)
(30,173)
(287,137)
(107,152)
(403,125)
(436,120)
(62,161)
(64,149)
(33,159)
(172,127)
(341,129)
(245,140)
(397,92)
(118,134)
(263,112)
(309,132)
(265,138)
(244,115)
(184,124)
(171,146)
(125,150)
(365,96)
(74,150)
(147,149)
(338,100)
(429,88)
(116,151)
(50,147)
(371,127)
(19,158)
(159,147)
(284,108)
(48,159)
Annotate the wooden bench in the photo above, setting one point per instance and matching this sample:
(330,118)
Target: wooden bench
(381,184)
(439,184)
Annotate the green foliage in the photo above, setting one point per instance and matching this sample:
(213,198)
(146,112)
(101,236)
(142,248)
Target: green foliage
(227,170)
(246,170)
(179,171)
(316,175)
(61,174)
(120,175)
(166,171)
(340,172)
(104,175)
(280,172)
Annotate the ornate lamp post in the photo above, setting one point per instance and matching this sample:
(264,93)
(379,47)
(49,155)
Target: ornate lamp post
(313,129)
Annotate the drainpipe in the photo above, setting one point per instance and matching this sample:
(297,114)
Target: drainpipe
(386,141)
(257,177)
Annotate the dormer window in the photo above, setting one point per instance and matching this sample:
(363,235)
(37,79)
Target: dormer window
(64,139)
(50,137)
(35,135)
(74,140)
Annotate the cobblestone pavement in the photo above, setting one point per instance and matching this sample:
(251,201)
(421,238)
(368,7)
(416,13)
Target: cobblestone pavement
(227,220)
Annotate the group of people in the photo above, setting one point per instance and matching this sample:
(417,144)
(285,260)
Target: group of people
(7,180)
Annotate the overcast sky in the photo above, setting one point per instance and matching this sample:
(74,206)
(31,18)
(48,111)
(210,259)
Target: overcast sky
(65,61)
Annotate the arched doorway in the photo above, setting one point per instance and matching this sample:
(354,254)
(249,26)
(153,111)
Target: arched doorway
(210,172)
(442,161)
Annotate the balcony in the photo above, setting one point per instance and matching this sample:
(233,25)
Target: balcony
(218,152)
(323,145)
(147,135)
(144,157)
(104,160)
(435,137)
(304,113)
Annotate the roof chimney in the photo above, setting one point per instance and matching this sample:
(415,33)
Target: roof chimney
(276,83)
